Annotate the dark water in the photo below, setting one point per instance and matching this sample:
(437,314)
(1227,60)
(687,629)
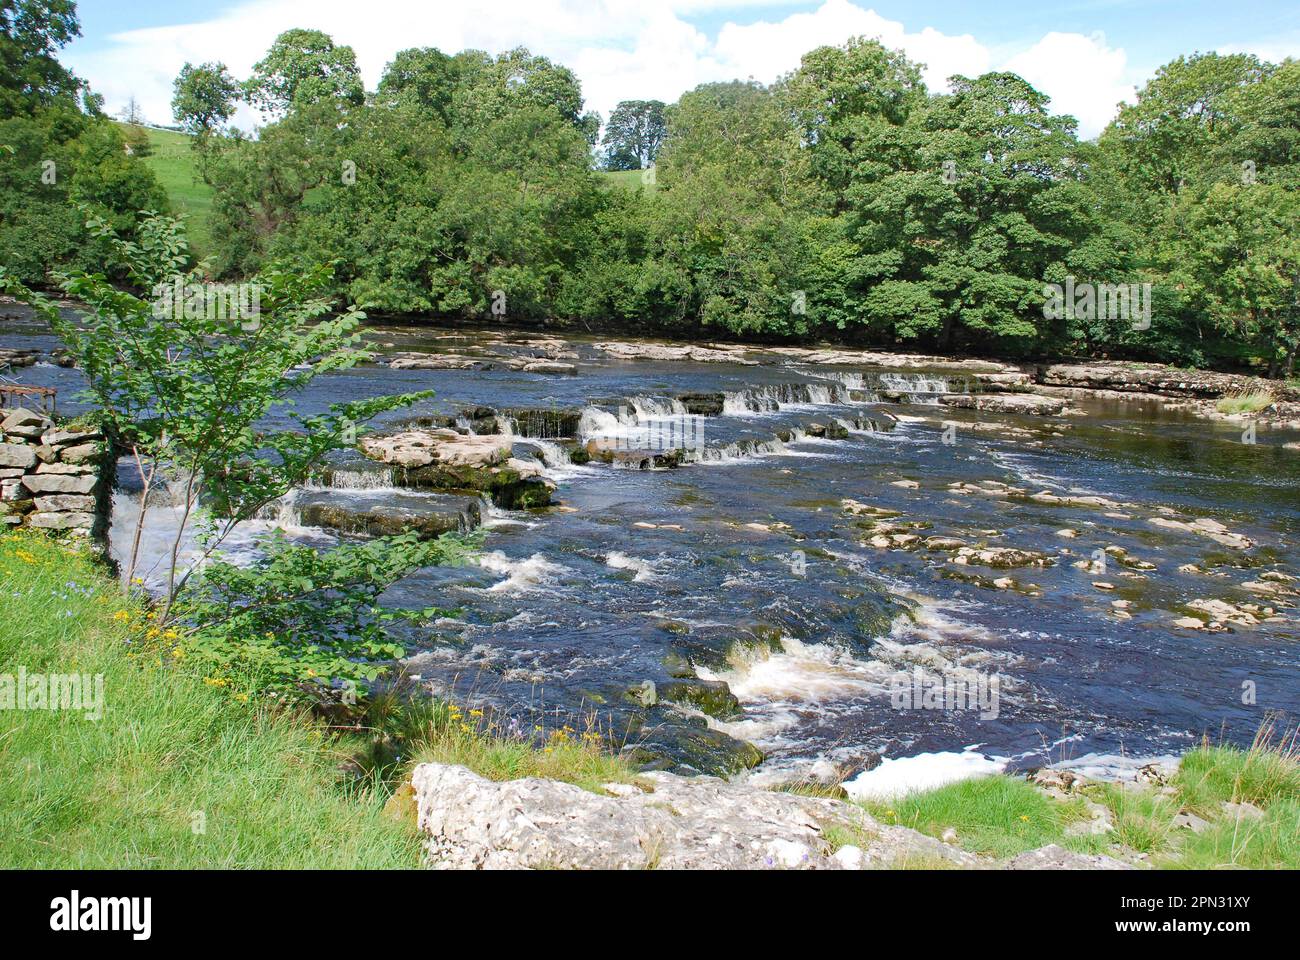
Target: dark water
(746,566)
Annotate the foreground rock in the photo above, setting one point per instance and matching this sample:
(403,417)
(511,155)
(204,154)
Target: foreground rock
(667,822)
(663,821)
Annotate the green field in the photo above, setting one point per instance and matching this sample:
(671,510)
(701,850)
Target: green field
(179,771)
(627,179)
(172,162)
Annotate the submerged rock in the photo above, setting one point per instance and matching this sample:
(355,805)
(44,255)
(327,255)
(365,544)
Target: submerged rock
(1005,558)
(429,518)
(1206,527)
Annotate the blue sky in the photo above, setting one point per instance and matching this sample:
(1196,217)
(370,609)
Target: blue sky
(1086,54)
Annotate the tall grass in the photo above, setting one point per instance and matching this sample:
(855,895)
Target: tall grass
(1251,402)
(500,750)
(177,773)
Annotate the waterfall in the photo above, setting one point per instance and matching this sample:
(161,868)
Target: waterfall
(773,397)
(648,407)
(919,387)
(347,478)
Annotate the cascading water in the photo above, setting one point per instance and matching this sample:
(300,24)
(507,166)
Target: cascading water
(637,571)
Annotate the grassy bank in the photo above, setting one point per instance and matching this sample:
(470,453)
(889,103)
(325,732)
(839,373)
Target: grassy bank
(1224,808)
(185,771)
(177,772)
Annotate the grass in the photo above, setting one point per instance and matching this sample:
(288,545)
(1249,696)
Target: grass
(183,771)
(1266,773)
(177,773)
(992,816)
(1245,402)
(1000,816)
(172,162)
(446,734)
(627,180)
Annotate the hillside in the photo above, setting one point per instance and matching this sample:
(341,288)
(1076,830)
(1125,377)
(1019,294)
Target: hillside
(172,162)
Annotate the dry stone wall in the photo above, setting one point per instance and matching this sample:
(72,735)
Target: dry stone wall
(53,477)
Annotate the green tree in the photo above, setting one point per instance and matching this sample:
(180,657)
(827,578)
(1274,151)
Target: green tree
(492,87)
(61,158)
(204,97)
(31,34)
(1237,254)
(304,68)
(633,135)
(423,76)
(961,214)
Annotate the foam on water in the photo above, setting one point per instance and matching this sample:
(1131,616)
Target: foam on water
(644,570)
(531,573)
(163,522)
(898,776)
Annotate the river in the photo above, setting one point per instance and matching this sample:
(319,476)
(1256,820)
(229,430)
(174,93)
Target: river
(745,565)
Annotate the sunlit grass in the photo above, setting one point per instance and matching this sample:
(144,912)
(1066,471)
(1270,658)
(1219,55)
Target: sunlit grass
(629,180)
(1252,402)
(173,164)
(451,734)
(177,773)
(995,816)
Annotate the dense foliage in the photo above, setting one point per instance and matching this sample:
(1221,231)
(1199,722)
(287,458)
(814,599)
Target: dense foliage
(843,201)
(202,394)
(60,151)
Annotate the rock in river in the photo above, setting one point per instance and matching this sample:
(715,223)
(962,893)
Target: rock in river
(428,515)
(445,460)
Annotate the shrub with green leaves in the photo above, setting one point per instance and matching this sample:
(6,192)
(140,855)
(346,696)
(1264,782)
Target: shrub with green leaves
(191,395)
(189,392)
(302,619)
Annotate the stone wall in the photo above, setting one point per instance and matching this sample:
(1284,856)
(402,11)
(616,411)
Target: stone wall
(53,477)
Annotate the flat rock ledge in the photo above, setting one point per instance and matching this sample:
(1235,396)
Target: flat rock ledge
(664,821)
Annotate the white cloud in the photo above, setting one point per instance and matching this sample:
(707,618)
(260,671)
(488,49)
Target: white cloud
(620,49)
(764,50)
(1083,76)
(1272,49)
